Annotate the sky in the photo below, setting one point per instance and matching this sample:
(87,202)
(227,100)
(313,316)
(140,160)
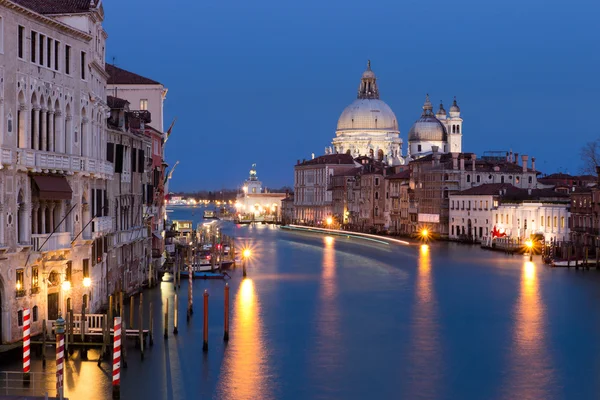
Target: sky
(265,81)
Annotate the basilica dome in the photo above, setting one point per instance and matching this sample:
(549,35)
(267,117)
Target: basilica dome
(428,127)
(369,114)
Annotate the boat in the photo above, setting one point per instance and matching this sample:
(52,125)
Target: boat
(209,214)
(167,277)
(572,263)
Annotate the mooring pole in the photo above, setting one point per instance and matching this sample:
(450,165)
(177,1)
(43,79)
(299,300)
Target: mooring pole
(226,322)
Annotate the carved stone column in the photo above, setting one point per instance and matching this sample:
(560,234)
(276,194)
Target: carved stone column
(51,216)
(35,134)
(51,131)
(43,219)
(43,130)
(59,143)
(68,135)
(34,218)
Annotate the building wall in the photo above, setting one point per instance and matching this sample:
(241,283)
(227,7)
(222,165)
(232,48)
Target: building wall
(66,112)
(471,216)
(520,220)
(155,94)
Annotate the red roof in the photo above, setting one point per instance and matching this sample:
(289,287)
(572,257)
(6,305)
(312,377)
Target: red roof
(56,6)
(119,76)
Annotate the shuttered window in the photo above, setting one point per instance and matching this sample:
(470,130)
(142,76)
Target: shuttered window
(119,159)
(110,152)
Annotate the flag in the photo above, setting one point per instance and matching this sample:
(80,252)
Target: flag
(170,128)
(498,232)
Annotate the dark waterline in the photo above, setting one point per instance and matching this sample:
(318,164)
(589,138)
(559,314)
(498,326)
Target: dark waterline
(323,317)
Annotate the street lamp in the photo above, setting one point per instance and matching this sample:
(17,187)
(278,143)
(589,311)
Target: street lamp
(87,282)
(529,245)
(245,255)
(425,234)
(329,221)
(66,286)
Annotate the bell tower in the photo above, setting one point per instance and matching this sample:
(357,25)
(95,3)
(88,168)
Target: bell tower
(454,127)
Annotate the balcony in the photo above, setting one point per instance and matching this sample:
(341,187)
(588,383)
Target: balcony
(6,157)
(58,241)
(131,235)
(102,226)
(36,160)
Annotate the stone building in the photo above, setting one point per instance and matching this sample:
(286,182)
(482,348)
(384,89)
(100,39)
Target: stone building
(516,213)
(312,197)
(435,176)
(582,218)
(53,174)
(255,200)
(397,205)
(129,253)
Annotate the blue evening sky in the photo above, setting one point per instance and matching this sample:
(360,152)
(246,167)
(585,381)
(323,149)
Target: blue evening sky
(265,81)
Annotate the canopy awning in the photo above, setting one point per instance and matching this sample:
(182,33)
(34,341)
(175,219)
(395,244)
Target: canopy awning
(53,187)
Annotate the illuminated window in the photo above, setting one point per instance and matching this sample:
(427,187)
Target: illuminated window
(562,222)
(542,221)
(34,277)
(144,104)
(548,222)
(556,222)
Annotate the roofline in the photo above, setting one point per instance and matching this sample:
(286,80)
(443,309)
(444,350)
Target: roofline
(47,20)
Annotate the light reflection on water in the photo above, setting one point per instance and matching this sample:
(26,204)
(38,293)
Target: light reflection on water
(245,366)
(424,357)
(530,372)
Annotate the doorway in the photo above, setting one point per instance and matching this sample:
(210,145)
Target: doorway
(52,306)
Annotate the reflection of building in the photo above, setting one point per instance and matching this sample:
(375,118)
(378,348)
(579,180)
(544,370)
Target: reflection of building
(256,201)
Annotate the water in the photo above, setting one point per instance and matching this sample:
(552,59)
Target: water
(324,318)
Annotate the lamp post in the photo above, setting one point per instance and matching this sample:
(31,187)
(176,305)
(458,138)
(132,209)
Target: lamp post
(529,245)
(245,255)
(425,235)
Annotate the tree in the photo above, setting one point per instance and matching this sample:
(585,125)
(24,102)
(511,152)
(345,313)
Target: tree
(590,157)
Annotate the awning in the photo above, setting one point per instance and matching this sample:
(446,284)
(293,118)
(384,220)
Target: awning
(157,235)
(53,187)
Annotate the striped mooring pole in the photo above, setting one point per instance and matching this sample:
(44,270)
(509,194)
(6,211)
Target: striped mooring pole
(60,355)
(26,345)
(116,375)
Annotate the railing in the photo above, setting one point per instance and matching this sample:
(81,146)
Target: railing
(6,157)
(58,161)
(92,321)
(40,384)
(124,237)
(58,241)
(103,225)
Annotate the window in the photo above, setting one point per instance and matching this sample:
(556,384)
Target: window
(530,179)
(478,178)
(86,267)
(34,278)
(487,203)
(556,222)
(480,204)
(83,65)
(548,222)
(468,178)
(33,47)
(502,179)
(419,148)
(496,218)
(21,49)
(67,60)
(41,48)
(68,271)
(20,317)
(517,179)
(376,211)
(469,205)
(562,222)
(49,53)
(502,218)
(34,313)
(19,283)
(56,46)
(143,104)
(542,221)
(376,181)
(376,195)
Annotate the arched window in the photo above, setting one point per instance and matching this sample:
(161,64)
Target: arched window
(453,128)
(502,179)
(457,128)
(376,195)
(478,178)
(468,178)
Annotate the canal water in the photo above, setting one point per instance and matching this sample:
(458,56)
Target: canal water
(324,317)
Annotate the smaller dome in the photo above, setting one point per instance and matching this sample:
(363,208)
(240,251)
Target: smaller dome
(454,107)
(441,111)
(428,127)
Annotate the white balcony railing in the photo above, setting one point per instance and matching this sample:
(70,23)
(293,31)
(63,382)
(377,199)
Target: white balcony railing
(125,237)
(5,157)
(103,225)
(36,159)
(58,241)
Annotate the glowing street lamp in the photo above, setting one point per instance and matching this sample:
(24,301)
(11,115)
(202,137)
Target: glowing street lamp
(529,245)
(329,221)
(425,234)
(66,286)
(245,255)
(87,282)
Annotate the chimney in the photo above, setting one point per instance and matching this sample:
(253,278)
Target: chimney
(462,164)
(516,158)
(473,158)
(533,163)
(524,158)
(455,161)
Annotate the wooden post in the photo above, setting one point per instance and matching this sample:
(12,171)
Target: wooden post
(104,344)
(166,326)
(44,344)
(121,311)
(117,356)
(190,309)
(131,308)
(150,328)
(205,327)
(141,327)
(568,256)
(175,315)
(109,323)
(226,322)
(597,255)
(586,258)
